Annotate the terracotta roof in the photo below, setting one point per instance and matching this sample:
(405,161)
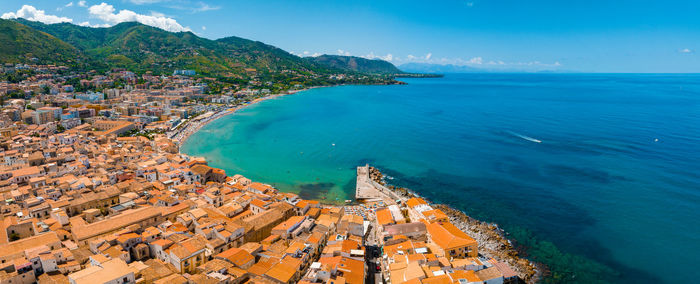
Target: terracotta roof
(384,217)
(447,236)
(469,275)
(415,201)
(19,246)
(442,279)
(26,171)
(262,266)
(125,219)
(489,273)
(110,270)
(353,270)
(281,272)
(294,220)
(237,256)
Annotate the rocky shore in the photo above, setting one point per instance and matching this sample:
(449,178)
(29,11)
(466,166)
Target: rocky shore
(492,240)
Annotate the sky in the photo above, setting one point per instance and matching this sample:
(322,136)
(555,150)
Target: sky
(566,36)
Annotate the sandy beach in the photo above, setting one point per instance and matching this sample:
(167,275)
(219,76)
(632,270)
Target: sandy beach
(191,127)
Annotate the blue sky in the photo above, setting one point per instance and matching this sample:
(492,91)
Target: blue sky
(581,36)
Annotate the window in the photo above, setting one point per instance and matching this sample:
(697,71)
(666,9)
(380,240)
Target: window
(126,280)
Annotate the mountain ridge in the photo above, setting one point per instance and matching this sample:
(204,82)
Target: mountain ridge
(355,63)
(142,48)
(22,43)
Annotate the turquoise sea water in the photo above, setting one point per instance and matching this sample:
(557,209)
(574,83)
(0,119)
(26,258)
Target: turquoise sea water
(610,193)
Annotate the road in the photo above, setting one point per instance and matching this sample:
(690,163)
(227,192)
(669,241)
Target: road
(373,253)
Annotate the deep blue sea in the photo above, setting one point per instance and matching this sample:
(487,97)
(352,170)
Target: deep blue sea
(595,175)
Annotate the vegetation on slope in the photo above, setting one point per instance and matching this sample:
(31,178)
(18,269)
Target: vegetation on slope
(19,43)
(357,64)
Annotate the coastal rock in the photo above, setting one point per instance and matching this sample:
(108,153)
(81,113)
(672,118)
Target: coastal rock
(491,239)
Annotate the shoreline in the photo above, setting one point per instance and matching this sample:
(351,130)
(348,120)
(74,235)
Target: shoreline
(193,127)
(492,240)
(182,135)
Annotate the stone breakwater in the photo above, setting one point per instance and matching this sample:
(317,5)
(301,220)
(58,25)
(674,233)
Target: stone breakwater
(492,240)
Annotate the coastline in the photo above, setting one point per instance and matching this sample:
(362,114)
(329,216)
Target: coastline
(492,240)
(192,127)
(181,136)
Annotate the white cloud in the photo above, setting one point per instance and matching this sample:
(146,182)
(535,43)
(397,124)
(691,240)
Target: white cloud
(476,60)
(470,4)
(87,24)
(388,57)
(33,14)
(82,3)
(200,7)
(686,50)
(204,28)
(70,4)
(306,53)
(157,14)
(343,52)
(203,7)
(141,2)
(533,64)
(106,13)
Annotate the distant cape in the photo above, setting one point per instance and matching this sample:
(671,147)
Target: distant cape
(437,68)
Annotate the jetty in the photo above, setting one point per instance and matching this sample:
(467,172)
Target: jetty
(368,190)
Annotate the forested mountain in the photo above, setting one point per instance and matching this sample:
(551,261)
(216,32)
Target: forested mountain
(141,48)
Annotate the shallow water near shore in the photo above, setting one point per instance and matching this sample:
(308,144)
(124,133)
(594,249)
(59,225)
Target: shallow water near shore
(595,175)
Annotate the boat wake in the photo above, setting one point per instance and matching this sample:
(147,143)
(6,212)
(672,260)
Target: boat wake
(528,138)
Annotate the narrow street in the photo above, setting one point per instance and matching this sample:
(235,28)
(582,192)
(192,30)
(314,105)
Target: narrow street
(373,254)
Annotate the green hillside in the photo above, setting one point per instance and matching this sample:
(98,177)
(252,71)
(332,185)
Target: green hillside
(140,48)
(358,64)
(143,48)
(19,44)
